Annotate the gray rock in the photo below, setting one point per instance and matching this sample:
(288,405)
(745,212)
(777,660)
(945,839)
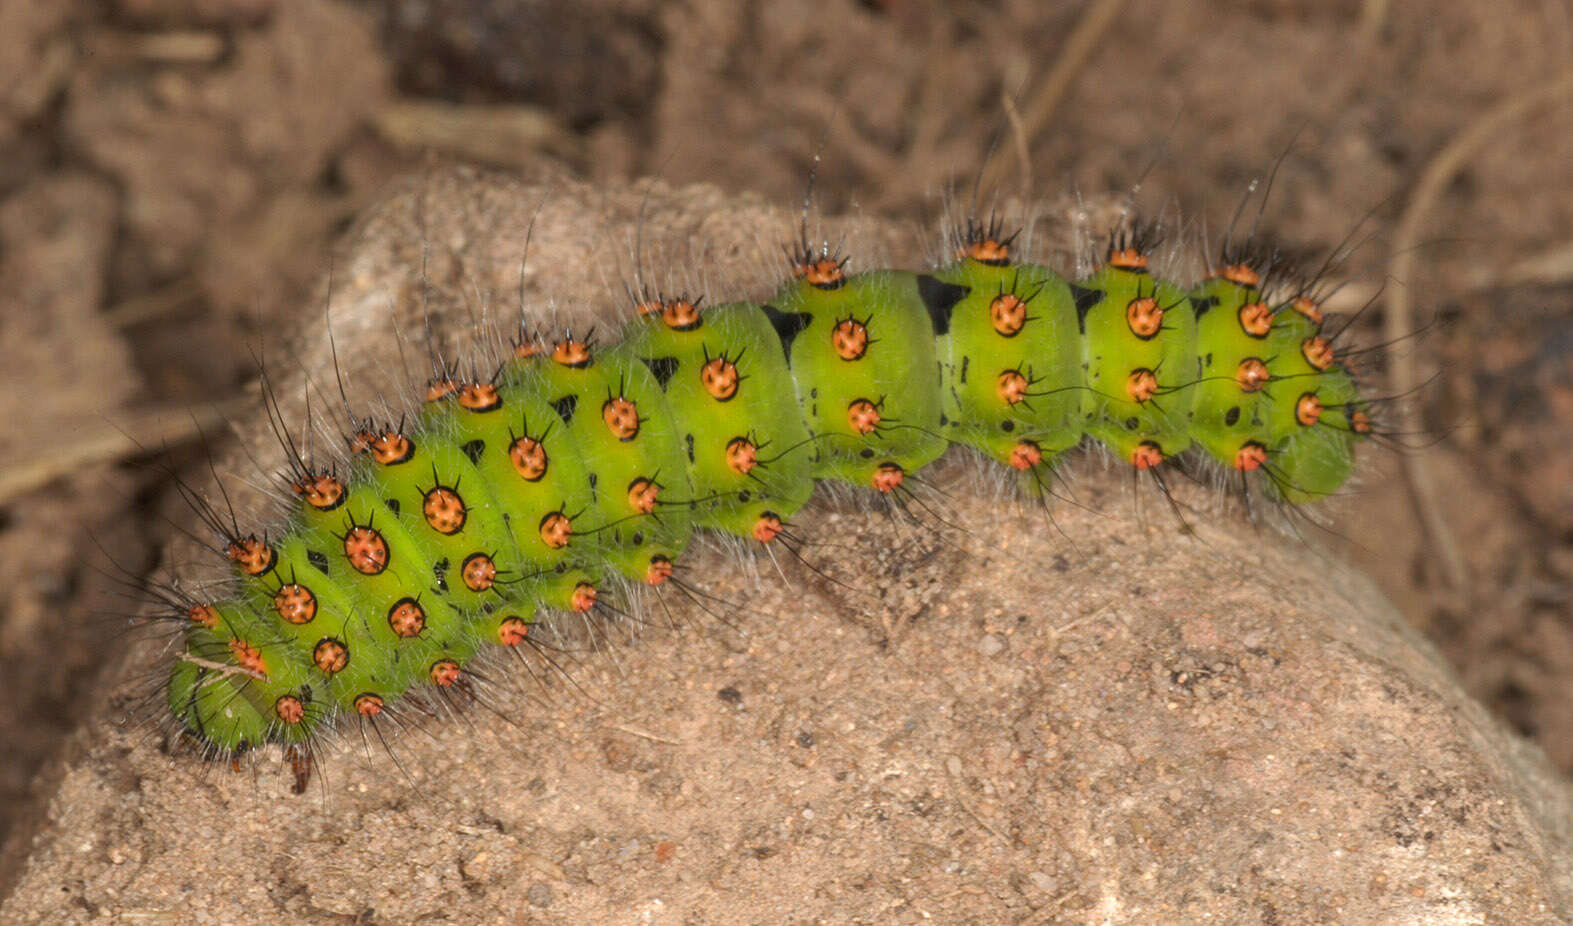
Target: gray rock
(1127,757)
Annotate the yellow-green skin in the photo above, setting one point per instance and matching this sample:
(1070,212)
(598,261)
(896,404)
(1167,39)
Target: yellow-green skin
(931,364)
(974,351)
(760,411)
(1112,352)
(895,374)
(1225,416)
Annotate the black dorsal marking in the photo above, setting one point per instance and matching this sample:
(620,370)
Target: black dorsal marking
(319,559)
(788,326)
(940,299)
(1085,300)
(393,505)
(565,407)
(664,368)
(1204,304)
(473,450)
(689,440)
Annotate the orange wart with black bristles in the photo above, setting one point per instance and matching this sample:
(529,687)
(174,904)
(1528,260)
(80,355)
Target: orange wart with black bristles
(679,314)
(1008,314)
(850,338)
(407,618)
(444,509)
(820,268)
(863,416)
(479,397)
(622,417)
(720,378)
(571,353)
(366,549)
(984,241)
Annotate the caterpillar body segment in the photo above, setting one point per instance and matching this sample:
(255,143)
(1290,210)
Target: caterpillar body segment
(861,352)
(1232,407)
(522,450)
(728,386)
(1139,352)
(573,465)
(616,412)
(1009,346)
(232,676)
(1318,409)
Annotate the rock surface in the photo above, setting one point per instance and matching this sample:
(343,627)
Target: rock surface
(1098,719)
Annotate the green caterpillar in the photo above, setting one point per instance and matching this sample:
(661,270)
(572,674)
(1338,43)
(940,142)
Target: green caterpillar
(524,493)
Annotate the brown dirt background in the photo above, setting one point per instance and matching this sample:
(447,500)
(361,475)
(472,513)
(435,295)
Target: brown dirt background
(174,171)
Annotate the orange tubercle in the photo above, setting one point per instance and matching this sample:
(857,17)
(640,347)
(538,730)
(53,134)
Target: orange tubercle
(253,556)
(330,655)
(642,494)
(1025,455)
(621,417)
(479,397)
(1250,457)
(406,618)
(571,353)
(889,477)
(768,527)
(289,709)
(741,455)
(512,631)
(1308,409)
(556,530)
(1256,319)
(986,251)
(445,673)
(1008,314)
(248,657)
(849,338)
(1141,385)
(1127,259)
(1241,274)
(1307,307)
(720,378)
(823,272)
(1251,375)
(659,570)
(863,416)
(1146,455)
(1011,387)
(1318,352)
(368,704)
(1144,316)
(479,572)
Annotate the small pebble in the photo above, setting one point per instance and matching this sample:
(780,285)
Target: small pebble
(991,645)
(540,894)
(1043,881)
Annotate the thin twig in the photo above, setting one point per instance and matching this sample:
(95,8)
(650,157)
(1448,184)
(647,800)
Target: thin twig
(50,459)
(223,668)
(956,791)
(643,734)
(1018,136)
(1399,324)
(1073,57)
